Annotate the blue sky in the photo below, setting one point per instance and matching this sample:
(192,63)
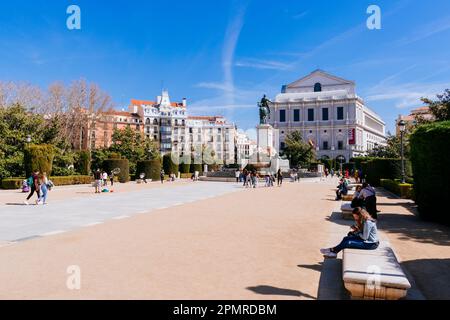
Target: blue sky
(224,55)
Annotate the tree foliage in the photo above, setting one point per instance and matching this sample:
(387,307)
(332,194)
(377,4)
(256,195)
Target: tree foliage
(299,153)
(440,108)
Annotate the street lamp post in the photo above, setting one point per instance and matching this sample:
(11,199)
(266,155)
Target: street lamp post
(402,128)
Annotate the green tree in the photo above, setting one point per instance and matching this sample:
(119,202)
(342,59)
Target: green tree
(440,108)
(297,151)
(133,146)
(392,149)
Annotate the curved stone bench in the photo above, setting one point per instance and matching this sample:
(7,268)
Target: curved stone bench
(374,274)
(347,210)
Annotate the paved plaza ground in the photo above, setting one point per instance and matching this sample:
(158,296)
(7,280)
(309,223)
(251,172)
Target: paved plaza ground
(204,240)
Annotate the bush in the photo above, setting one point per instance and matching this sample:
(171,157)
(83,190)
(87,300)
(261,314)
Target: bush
(16,183)
(169,166)
(83,164)
(151,168)
(430,154)
(403,190)
(71,180)
(196,167)
(111,164)
(379,168)
(38,158)
(12,183)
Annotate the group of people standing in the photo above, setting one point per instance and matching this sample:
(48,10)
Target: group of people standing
(40,184)
(251,178)
(101,180)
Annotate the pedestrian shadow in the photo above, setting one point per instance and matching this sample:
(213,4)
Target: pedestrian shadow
(316,267)
(18,204)
(274,291)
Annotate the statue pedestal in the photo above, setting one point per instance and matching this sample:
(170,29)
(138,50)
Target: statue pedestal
(268,143)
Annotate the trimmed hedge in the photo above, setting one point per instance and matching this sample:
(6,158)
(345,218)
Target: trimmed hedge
(83,165)
(111,164)
(38,158)
(169,166)
(16,183)
(403,190)
(379,168)
(151,168)
(430,154)
(12,183)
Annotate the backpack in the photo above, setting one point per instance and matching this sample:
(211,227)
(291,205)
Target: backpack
(30,181)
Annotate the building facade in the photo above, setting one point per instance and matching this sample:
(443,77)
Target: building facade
(96,129)
(169,124)
(329,114)
(411,119)
(245,147)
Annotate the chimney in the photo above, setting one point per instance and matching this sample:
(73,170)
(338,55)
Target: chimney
(184,102)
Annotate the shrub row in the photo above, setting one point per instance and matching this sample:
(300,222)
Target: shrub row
(430,154)
(376,169)
(16,183)
(403,190)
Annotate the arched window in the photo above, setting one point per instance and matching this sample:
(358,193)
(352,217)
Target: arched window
(155,122)
(147,121)
(317,87)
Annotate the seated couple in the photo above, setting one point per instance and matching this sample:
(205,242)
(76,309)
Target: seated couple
(363,235)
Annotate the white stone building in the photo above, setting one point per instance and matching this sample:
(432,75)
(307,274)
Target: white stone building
(169,124)
(327,111)
(245,147)
(213,133)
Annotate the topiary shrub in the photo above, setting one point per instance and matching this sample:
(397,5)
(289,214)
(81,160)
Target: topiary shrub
(430,154)
(151,168)
(196,167)
(38,158)
(111,164)
(83,164)
(169,166)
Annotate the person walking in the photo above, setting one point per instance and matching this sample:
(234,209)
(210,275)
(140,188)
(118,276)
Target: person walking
(280,178)
(97,181)
(45,188)
(161,175)
(105,179)
(34,185)
(237,175)
(111,179)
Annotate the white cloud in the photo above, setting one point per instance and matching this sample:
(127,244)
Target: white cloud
(300,15)
(427,31)
(406,95)
(263,64)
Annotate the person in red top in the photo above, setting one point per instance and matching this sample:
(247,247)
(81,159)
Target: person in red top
(347,174)
(34,187)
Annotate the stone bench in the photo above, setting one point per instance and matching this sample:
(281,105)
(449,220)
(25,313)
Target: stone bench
(347,210)
(353,186)
(349,196)
(374,274)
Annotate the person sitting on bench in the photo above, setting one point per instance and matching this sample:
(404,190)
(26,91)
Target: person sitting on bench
(365,240)
(342,190)
(357,202)
(368,194)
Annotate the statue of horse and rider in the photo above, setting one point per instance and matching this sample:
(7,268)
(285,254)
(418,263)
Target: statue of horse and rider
(264,110)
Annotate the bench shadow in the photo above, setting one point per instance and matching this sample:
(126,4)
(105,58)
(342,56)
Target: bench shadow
(19,204)
(431,277)
(274,291)
(336,217)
